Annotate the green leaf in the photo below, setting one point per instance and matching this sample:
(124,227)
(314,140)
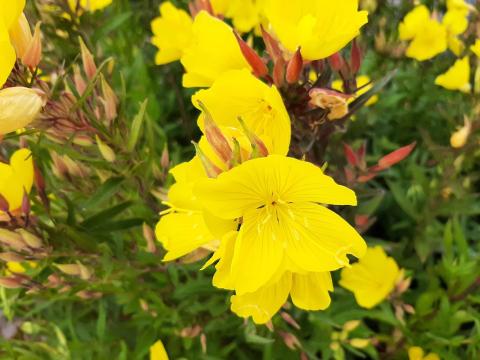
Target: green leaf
(137,126)
(105,215)
(105,192)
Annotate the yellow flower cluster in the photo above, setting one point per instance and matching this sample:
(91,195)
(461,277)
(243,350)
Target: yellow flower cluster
(264,215)
(206,46)
(431,37)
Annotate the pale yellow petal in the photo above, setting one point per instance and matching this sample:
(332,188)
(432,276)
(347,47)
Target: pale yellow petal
(311,291)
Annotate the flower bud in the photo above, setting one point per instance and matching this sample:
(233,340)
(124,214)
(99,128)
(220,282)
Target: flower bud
(10,282)
(165,158)
(80,84)
(69,269)
(272,45)
(12,239)
(149,236)
(336,61)
(110,100)
(355,57)
(33,54)
(19,106)
(211,170)
(31,240)
(106,151)
(88,62)
(258,146)
(11,256)
(294,67)
(459,138)
(21,36)
(215,137)
(258,66)
(85,273)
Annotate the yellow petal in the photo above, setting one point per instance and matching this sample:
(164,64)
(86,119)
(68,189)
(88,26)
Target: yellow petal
(7,60)
(318,240)
(429,42)
(264,303)
(311,291)
(11,11)
(415,353)
(181,233)
(16,178)
(413,22)
(457,77)
(299,23)
(158,352)
(172,33)
(212,52)
(371,279)
(258,252)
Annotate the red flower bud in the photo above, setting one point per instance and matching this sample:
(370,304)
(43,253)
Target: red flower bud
(258,66)
(336,61)
(294,67)
(356,57)
(395,156)
(272,45)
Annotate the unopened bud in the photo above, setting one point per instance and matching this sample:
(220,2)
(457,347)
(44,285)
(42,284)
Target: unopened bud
(10,282)
(80,84)
(165,158)
(87,59)
(31,240)
(82,140)
(21,36)
(459,138)
(211,170)
(355,57)
(25,203)
(290,320)
(258,146)
(279,72)
(106,151)
(294,67)
(149,236)
(215,136)
(4,205)
(336,61)
(11,256)
(272,45)
(290,340)
(85,273)
(110,100)
(258,66)
(359,343)
(69,269)
(12,239)
(19,106)
(33,55)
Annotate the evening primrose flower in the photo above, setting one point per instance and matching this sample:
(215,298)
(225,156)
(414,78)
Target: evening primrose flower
(16,178)
(212,52)
(456,77)
(429,37)
(240,94)
(320,28)
(283,226)
(158,352)
(172,33)
(372,278)
(417,353)
(19,106)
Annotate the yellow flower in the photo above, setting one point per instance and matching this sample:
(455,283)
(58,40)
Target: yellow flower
(240,94)
(429,37)
(213,51)
(459,5)
(9,15)
(363,84)
(158,352)
(456,22)
(183,228)
(16,178)
(417,353)
(476,48)
(457,77)
(283,226)
(320,28)
(19,106)
(89,5)
(172,33)
(372,278)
